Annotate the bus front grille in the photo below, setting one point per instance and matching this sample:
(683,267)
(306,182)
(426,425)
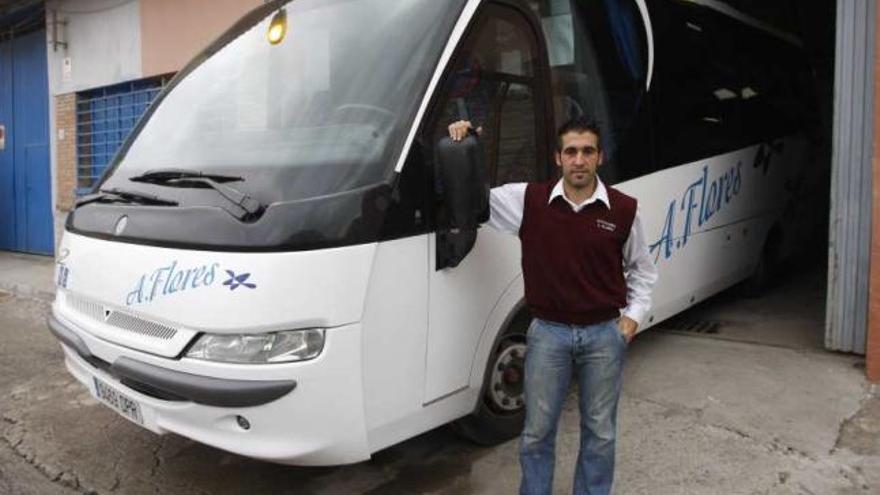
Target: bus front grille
(119,319)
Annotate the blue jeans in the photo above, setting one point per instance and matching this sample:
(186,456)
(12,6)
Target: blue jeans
(594,354)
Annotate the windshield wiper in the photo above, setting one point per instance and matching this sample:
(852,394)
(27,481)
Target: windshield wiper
(115,194)
(161,176)
(172,177)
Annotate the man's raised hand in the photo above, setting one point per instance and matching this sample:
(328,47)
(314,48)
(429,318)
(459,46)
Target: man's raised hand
(459,130)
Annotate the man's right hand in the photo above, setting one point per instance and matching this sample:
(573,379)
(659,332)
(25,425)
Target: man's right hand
(459,130)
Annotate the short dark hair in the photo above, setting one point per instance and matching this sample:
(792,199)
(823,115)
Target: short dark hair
(579,124)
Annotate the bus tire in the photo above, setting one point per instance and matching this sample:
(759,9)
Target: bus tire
(500,413)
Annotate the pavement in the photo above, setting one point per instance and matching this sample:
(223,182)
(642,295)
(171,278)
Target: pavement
(735,396)
(27,275)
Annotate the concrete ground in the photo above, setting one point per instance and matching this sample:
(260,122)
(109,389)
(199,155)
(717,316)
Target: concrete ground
(27,275)
(736,396)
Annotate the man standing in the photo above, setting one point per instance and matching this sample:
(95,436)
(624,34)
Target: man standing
(588,279)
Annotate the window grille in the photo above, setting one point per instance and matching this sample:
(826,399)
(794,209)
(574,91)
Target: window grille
(104,118)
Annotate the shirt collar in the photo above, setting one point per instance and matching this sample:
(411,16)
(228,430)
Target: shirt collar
(600,194)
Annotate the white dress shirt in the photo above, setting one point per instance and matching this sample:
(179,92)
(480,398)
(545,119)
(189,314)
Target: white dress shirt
(507,202)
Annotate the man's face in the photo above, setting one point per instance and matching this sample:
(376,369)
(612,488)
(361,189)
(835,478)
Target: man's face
(579,159)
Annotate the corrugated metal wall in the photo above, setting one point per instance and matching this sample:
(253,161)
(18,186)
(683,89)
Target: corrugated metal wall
(851,178)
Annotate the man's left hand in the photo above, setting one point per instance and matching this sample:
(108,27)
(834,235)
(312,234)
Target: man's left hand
(627,327)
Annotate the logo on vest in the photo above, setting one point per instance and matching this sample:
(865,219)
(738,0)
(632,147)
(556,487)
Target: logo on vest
(602,224)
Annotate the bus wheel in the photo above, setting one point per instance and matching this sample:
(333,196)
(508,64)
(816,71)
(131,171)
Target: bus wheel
(500,414)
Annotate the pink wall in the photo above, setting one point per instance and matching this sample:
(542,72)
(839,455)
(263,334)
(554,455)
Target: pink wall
(174,31)
(873,343)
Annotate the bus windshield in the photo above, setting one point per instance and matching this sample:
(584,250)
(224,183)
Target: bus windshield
(323,111)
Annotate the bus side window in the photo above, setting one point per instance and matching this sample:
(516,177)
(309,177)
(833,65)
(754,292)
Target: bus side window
(598,65)
(493,85)
(516,154)
(776,88)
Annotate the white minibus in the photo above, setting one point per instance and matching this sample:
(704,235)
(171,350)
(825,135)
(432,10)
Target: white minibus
(285,259)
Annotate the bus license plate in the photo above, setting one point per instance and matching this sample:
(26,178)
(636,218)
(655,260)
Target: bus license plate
(118,401)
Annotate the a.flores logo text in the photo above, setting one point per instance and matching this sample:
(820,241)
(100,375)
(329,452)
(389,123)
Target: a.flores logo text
(704,198)
(700,202)
(171,279)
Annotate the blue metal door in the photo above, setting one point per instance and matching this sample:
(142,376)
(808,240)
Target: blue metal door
(8,218)
(25,182)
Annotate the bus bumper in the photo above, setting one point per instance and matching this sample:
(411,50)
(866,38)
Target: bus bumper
(308,413)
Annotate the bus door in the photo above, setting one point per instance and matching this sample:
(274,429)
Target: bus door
(498,81)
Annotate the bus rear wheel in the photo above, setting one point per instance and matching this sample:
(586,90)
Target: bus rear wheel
(501,412)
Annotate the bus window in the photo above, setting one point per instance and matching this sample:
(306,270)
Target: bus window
(493,84)
(598,65)
(775,87)
(516,158)
(721,85)
(698,87)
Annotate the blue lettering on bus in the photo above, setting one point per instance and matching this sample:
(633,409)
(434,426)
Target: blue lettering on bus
(170,279)
(700,201)
(765,154)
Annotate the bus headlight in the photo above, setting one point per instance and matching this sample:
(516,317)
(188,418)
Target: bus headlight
(276,347)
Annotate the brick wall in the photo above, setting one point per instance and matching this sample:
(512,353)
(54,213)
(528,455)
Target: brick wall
(65,116)
(873,344)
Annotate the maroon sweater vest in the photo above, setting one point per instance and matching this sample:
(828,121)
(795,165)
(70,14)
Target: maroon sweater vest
(573,262)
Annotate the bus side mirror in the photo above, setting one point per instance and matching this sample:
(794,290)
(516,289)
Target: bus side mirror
(463,190)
